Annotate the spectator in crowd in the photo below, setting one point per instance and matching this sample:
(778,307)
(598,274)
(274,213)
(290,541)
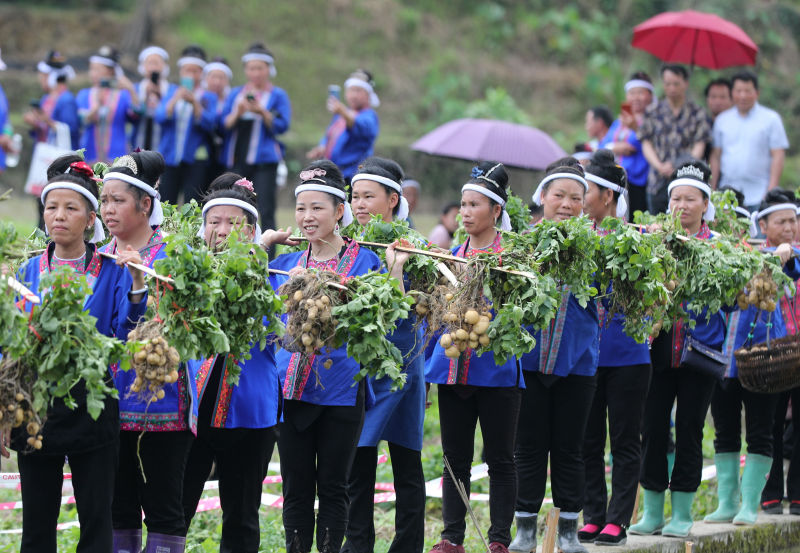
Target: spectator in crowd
(154,87)
(442,234)
(411,189)
(353,130)
(621,139)
(718,96)
(54,119)
(672,131)
(217,77)
(583,153)
(749,144)
(598,121)
(6,143)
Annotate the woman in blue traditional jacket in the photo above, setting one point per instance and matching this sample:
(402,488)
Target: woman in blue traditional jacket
(323,408)
(154,436)
(236,423)
(623,376)
(559,387)
(253,117)
(70,212)
(739,501)
(352,133)
(154,86)
(57,107)
(187,115)
(473,388)
(106,107)
(673,380)
(396,417)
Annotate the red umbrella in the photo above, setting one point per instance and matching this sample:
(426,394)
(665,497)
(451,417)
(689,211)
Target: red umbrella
(695,38)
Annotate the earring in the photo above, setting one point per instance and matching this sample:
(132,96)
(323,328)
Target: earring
(336,230)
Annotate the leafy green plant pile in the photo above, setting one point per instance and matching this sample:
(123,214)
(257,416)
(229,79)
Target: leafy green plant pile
(58,354)
(219,303)
(362,316)
(726,220)
(184,221)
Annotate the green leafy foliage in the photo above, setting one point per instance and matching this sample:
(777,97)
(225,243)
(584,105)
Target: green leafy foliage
(68,349)
(183,220)
(218,300)
(375,304)
(726,220)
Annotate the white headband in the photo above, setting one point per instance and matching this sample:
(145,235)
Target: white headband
(505,220)
(742,211)
(580,156)
(158,51)
(191,60)
(374,101)
(638,83)
(54,73)
(756,216)
(700,185)
(411,183)
(157,216)
(622,201)
(537,196)
(99,234)
(233,202)
(402,211)
(347,218)
(266,58)
(218,66)
(108,62)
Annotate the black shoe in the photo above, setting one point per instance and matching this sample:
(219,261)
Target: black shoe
(794,507)
(773,507)
(609,539)
(584,536)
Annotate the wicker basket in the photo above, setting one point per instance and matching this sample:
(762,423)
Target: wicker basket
(772,369)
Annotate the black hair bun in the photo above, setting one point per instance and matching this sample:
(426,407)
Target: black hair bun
(493,171)
(777,196)
(605,166)
(194,51)
(566,165)
(387,168)
(327,171)
(226,182)
(61,164)
(109,52)
(259,48)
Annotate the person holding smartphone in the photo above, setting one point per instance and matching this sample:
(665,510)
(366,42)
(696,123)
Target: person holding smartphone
(154,87)
(254,115)
(186,115)
(351,135)
(621,139)
(106,107)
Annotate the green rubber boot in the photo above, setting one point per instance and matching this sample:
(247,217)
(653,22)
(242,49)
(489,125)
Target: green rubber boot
(670,463)
(754,478)
(727,488)
(681,521)
(653,518)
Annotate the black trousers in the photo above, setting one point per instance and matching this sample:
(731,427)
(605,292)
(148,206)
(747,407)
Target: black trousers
(552,423)
(264,177)
(242,456)
(163,456)
(774,488)
(637,199)
(409,486)
(693,393)
(189,177)
(620,396)
(317,445)
(497,410)
(759,414)
(42,476)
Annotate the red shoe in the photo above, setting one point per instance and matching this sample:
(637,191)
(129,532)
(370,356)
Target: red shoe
(445,546)
(497,547)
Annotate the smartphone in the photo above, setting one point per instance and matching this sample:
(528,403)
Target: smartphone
(251,97)
(154,77)
(187,83)
(105,83)
(626,108)
(34,104)
(335,90)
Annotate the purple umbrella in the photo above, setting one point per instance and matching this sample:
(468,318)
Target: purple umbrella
(491,140)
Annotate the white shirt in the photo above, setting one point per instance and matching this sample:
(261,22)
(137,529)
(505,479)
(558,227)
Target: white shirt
(746,142)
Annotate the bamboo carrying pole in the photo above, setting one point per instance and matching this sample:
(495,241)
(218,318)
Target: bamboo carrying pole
(465,498)
(146,270)
(331,284)
(26,293)
(551,529)
(689,547)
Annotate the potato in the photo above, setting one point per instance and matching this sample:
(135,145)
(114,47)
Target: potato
(461,334)
(484,340)
(448,296)
(471,317)
(473,344)
(328,363)
(446,341)
(298,295)
(307,340)
(481,327)
(452,352)
(160,394)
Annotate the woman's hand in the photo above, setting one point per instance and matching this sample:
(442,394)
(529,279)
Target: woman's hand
(297,271)
(127,256)
(785,252)
(395,260)
(335,106)
(315,153)
(271,237)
